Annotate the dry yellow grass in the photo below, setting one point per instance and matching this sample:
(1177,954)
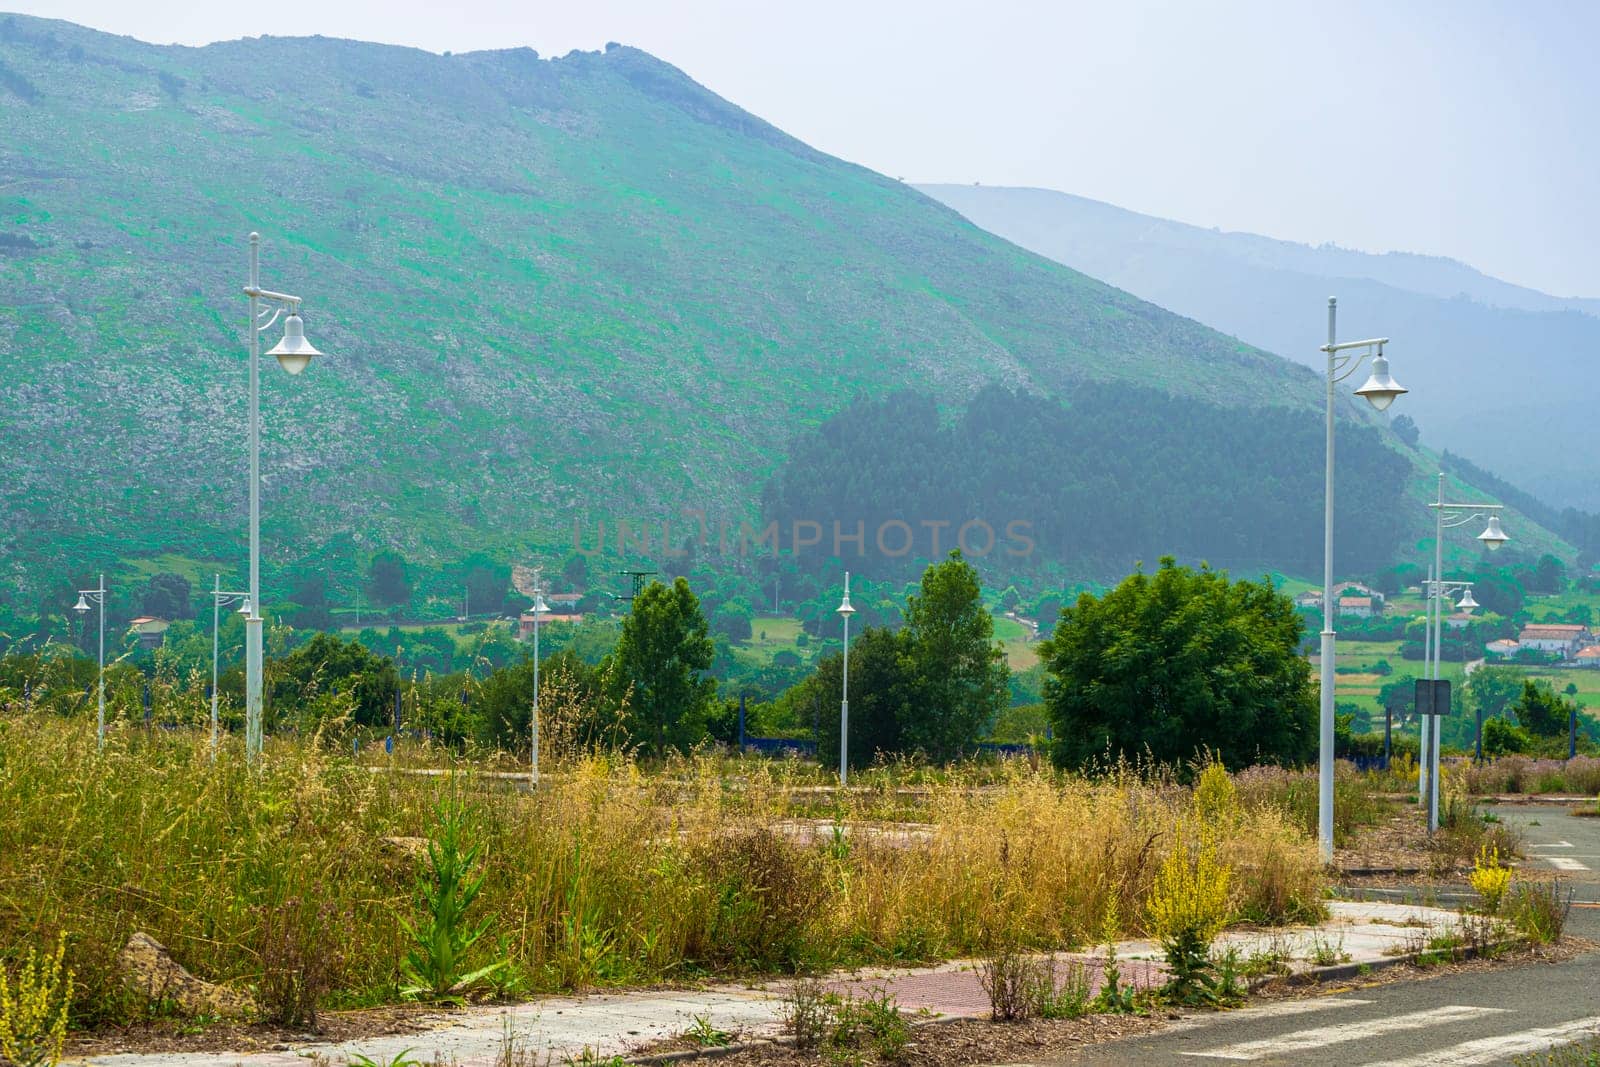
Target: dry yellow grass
(609,875)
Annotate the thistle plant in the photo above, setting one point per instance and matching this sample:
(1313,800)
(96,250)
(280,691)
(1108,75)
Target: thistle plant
(33,1014)
(446,891)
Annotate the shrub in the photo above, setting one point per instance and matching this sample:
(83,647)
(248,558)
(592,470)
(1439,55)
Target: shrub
(33,1009)
(1010,980)
(1502,737)
(1539,910)
(1583,775)
(298,961)
(767,893)
(1489,879)
(808,1013)
(1186,909)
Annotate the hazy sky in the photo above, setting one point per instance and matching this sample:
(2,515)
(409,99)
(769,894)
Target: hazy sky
(1462,128)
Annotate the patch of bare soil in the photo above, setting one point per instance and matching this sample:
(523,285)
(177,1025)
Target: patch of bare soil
(967,1041)
(1398,846)
(186,1035)
(1565,949)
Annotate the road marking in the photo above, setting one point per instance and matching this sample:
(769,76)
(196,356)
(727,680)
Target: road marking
(1497,1049)
(1282,1007)
(1566,863)
(1342,1032)
(1553,844)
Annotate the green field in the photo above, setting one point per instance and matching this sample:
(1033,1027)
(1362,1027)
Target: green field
(769,635)
(1020,652)
(1362,688)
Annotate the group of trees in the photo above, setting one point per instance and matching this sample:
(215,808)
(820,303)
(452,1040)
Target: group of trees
(933,687)
(1521,715)
(1160,667)
(1063,468)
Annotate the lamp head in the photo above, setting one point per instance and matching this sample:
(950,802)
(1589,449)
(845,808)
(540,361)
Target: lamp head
(1493,537)
(294,352)
(1467,603)
(539,606)
(244,608)
(82,605)
(1381,389)
(844,605)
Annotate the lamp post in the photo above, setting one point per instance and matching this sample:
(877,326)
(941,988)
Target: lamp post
(1435,594)
(293,353)
(1448,516)
(539,608)
(219,600)
(86,597)
(1380,391)
(845,611)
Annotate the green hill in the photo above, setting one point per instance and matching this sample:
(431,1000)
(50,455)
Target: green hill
(551,291)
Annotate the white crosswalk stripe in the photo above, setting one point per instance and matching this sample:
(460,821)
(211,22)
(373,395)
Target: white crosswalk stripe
(1317,1037)
(1275,1009)
(1566,863)
(1552,844)
(1498,1048)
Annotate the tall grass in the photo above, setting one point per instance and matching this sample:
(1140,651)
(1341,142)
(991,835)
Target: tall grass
(607,875)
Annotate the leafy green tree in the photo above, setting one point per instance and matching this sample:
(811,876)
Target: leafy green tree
(1491,690)
(1499,591)
(1541,710)
(327,664)
(1399,697)
(576,572)
(387,582)
(662,656)
(732,620)
(310,593)
(1405,428)
(1177,662)
(1501,737)
(959,672)
(486,584)
(433,651)
(1549,575)
(504,699)
(166,596)
(882,692)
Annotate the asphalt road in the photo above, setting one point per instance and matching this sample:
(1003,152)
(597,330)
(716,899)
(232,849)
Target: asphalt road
(1487,1017)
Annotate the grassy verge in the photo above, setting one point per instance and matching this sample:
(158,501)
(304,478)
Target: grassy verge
(290,872)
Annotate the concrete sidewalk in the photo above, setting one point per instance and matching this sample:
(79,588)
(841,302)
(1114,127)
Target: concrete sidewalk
(557,1028)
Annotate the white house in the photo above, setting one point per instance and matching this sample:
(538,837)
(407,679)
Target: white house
(1564,639)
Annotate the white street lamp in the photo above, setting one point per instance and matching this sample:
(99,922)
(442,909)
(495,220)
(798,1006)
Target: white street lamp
(539,608)
(1493,537)
(845,611)
(293,353)
(97,595)
(220,600)
(1380,391)
(1448,516)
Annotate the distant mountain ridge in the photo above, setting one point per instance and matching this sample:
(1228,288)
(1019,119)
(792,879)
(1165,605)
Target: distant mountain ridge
(553,293)
(1504,375)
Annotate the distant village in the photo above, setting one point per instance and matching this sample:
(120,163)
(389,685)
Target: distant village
(1558,644)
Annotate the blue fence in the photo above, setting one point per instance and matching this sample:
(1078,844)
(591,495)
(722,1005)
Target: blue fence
(804,747)
(781,745)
